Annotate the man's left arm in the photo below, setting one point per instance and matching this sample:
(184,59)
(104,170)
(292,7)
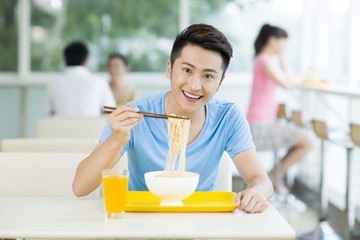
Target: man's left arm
(259,187)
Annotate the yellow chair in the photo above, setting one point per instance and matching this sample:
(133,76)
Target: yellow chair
(350,193)
(281,113)
(297,118)
(321,131)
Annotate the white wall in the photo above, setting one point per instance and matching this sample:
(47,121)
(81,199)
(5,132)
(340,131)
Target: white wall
(23,100)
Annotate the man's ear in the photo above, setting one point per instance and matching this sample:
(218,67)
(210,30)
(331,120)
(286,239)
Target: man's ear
(222,79)
(168,72)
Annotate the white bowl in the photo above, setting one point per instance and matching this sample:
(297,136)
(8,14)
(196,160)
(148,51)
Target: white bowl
(171,190)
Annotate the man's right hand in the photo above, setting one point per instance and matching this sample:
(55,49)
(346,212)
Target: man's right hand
(122,120)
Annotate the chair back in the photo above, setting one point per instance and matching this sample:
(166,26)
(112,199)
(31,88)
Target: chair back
(70,145)
(297,119)
(320,129)
(38,174)
(70,127)
(355,133)
(281,113)
(224,179)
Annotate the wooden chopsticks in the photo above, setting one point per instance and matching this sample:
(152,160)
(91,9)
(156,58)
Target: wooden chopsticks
(146,114)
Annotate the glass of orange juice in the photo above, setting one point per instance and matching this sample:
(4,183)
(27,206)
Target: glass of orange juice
(115,187)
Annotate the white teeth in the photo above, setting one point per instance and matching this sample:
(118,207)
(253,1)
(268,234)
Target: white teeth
(191,96)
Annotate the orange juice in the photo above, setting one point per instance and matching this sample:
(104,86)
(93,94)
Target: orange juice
(115,187)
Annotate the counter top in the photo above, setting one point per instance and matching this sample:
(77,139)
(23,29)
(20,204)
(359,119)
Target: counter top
(75,218)
(336,89)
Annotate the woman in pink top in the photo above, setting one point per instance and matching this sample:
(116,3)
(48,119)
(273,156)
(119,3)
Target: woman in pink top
(268,133)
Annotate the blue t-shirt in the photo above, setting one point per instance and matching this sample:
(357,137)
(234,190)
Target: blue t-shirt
(225,129)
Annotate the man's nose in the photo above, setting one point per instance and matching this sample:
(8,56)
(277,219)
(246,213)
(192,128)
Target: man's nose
(195,82)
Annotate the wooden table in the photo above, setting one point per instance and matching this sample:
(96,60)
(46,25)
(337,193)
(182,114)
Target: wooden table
(85,218)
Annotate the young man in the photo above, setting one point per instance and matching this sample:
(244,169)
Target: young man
(78,92)
(199,59)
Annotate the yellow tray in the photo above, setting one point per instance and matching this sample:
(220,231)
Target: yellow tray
(144,201)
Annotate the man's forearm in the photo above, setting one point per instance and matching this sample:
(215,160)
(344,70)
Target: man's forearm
(263,185)
(88,173)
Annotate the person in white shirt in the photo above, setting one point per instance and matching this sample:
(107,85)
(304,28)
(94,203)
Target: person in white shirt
(78,92)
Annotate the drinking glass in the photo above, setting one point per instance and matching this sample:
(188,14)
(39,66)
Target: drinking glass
(115,187)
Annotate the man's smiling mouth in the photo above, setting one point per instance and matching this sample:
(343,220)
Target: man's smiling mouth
(193,97)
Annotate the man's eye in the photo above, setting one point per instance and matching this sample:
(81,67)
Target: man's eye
(187,70)
(208,76)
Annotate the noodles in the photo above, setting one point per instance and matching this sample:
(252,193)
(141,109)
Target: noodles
(178,130)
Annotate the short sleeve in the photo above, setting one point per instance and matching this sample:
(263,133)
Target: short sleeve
(239,137)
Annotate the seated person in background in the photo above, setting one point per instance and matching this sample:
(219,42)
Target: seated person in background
(197,66)
(268,133)
(117,66)
(77,92)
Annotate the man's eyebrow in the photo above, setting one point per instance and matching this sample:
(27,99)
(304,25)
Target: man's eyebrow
(205,70)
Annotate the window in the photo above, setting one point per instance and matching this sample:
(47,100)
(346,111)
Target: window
(323,36)
(338,39)
(142,30)
(326,34)
(8,36)
(241,21)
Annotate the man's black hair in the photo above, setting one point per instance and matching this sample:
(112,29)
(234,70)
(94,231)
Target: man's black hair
(75,54)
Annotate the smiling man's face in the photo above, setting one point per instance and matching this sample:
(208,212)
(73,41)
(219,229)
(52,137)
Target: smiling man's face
(195,77)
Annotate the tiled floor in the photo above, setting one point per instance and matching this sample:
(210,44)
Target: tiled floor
(302,222)
(303,216)
(305,222)
(300,215)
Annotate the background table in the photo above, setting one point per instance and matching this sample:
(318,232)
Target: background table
(79,218)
